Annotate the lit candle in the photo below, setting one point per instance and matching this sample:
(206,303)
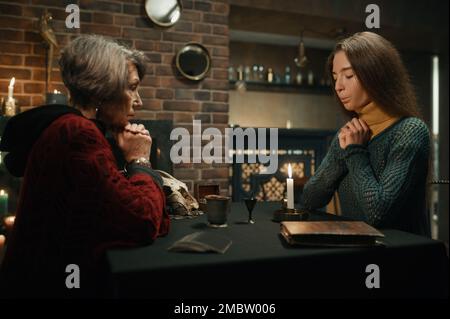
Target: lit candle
(3,203)
(290,189)
(11,88)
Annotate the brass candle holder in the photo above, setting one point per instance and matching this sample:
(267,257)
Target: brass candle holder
(10,106)
(289,214)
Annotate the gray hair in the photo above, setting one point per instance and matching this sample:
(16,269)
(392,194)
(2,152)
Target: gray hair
(94,69)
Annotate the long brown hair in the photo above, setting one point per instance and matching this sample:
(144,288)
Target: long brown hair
(381,72)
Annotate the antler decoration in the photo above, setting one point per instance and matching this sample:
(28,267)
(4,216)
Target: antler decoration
(49,36)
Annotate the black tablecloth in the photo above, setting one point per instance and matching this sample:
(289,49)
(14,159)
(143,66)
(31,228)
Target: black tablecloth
(259,264)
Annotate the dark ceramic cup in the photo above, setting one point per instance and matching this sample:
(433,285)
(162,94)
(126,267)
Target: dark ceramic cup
(217,210)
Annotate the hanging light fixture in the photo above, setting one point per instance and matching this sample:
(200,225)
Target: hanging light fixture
(301,61)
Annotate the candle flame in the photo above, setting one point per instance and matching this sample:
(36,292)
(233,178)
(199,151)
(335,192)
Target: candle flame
(55,91)
(289,170)
(2,192)
(13,80)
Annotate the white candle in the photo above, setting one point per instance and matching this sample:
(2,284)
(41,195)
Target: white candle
(290,189)
(11,88)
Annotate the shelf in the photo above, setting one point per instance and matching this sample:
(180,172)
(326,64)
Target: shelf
(284,88)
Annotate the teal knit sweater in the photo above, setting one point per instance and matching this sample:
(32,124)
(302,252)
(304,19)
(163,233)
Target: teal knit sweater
(382,183)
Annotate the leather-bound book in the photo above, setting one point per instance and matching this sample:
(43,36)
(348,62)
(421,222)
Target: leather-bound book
(330,233)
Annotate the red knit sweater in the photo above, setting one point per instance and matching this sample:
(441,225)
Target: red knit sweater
(74,205)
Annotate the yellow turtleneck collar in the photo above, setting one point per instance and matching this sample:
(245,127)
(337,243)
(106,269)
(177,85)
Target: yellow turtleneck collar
(377,119)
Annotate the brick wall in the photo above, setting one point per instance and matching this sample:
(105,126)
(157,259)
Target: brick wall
(165,94)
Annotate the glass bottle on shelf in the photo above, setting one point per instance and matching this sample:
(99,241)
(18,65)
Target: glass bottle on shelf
(276,78)
(231,74)
(287,75)
(255,72)
(299,77)
(247,74)
(261,73)
(240,71)
(310,78)
(270,75)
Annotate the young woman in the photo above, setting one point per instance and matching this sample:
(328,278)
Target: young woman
(378,161)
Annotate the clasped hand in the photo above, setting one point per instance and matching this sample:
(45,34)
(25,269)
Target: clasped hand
(134,141)
(355,131)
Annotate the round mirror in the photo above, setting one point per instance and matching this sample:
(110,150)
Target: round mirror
(163,13)
(193,61)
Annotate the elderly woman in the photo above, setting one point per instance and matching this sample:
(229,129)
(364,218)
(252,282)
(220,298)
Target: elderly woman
(378,162)
(75,203)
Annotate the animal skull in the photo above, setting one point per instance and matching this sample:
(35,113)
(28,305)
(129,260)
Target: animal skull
(178,198)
